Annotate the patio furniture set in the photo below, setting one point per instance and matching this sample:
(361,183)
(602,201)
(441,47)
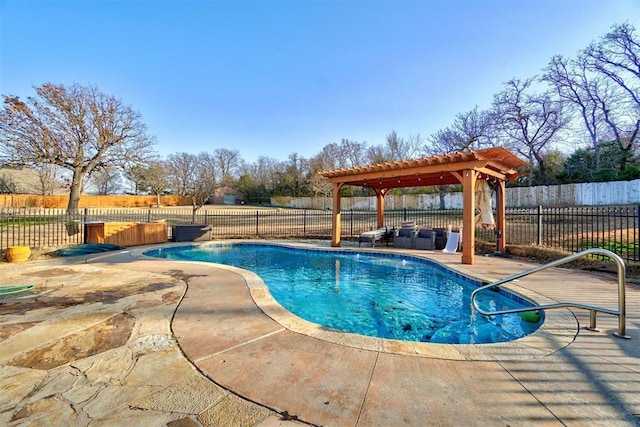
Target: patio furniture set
(409,236)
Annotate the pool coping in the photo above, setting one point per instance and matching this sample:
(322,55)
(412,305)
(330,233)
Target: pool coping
(558,330)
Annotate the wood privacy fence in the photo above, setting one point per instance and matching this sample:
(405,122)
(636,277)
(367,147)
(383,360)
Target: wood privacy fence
(567,229)
(50,202)
(614,193)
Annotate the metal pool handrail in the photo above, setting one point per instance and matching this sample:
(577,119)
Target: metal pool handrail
(621,312)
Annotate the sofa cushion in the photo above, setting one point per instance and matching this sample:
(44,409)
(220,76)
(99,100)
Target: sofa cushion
(425,233)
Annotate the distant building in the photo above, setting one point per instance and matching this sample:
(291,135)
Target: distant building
(226,196)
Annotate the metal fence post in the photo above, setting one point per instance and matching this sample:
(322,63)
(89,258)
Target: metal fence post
(85,219)
(539,238)
(257,218)
(351,221)
(304,222)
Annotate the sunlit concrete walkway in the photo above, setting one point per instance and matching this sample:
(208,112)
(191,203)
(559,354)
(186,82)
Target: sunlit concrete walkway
(121,339)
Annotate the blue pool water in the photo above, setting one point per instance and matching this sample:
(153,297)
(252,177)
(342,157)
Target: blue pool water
(380,295)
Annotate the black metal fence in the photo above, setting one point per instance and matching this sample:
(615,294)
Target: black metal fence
(569,229)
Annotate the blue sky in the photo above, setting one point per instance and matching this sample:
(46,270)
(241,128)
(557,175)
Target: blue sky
(270,78)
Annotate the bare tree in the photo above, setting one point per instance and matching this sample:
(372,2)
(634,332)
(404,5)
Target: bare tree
(583,90)
(135,174)
(345,154)
(415,146)
(155,179)
(443,142)
(265,171)
(205,183)
(330,158)
(617,58)
(48,179)
(106,180)
(354,152)
(396,147)
(75,127)
(180,172)
(258,180)
(7,184)
(319,186)
(225,165)
(528,122)
(469,131)
(191,175)
(617,121)
(376,154)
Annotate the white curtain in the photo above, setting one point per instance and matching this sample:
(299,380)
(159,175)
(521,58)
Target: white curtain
(483,204)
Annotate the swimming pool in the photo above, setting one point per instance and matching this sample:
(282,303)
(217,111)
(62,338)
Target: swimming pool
(380,295)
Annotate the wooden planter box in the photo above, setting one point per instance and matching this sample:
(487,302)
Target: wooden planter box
(126,233)
(191,233)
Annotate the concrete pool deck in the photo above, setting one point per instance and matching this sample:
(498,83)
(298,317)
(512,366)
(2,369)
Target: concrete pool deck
(122,339)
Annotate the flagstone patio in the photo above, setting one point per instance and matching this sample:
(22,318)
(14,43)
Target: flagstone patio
(122,339)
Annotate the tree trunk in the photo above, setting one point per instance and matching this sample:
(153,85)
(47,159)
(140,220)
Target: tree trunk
(543,171)
(530,168)
(441,193)
(74,193)
(625,155)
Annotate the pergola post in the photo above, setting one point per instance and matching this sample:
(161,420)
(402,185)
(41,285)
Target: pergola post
(500,214)
(469,177)
(336,216)
(380,206)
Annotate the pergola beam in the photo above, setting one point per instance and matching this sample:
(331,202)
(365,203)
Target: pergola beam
(376,175)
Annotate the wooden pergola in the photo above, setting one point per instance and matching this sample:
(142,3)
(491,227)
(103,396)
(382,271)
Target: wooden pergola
(494,164)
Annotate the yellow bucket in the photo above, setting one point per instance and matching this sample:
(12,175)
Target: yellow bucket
(17,253)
